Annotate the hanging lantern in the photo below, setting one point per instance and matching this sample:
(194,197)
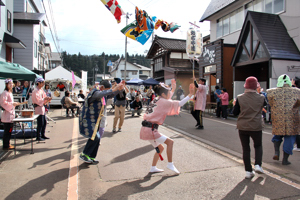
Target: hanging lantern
(194,43)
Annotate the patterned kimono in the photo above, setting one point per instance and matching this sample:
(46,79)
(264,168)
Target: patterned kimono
(89,115)
(285,118)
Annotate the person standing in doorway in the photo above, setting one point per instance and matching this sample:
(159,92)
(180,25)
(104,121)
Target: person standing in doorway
(179,93)
(39,100)
(224,97)
(200,102)
(218,100)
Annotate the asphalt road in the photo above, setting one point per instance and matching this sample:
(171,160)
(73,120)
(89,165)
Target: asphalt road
(222,134)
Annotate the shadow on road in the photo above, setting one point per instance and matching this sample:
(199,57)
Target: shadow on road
(124,190)
(131,154)
(262,187)
(45,182)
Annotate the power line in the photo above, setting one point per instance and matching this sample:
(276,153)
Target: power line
(53,21)
(51,30)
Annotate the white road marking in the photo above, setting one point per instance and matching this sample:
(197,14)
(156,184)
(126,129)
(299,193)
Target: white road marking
(73,170)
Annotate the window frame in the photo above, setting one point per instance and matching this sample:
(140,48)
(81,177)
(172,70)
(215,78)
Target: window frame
(8,18)
(35,49)
(220,20)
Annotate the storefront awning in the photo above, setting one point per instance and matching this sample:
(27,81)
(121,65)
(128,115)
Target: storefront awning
(13,42)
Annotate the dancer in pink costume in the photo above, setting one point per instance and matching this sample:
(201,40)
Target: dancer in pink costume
(161,107)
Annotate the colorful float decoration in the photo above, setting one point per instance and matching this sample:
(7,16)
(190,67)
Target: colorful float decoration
(114,7)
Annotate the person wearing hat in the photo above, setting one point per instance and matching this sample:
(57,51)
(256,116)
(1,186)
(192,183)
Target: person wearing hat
(39,99)
(249,106)
(94,102)
(8,105)
(284,102)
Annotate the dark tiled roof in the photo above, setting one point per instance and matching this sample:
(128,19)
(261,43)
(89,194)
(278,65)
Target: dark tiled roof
(171,43)
(30,18)
(214,7)
(274,35)
(168,44)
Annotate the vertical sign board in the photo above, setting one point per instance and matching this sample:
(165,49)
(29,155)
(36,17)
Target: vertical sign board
(84,81)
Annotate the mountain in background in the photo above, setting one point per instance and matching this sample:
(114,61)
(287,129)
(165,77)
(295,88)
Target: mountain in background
(78,62)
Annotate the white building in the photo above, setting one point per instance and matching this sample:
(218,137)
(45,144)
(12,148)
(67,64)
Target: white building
(267,39)
(133,70)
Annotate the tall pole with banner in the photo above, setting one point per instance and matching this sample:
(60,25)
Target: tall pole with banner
(194,44)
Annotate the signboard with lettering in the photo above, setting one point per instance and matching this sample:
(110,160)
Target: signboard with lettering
(210,69)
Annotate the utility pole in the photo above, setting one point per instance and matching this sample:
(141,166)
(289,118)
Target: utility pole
(127,16)
(104,67)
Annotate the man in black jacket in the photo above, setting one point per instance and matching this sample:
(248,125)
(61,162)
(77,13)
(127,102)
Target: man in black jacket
(136,106)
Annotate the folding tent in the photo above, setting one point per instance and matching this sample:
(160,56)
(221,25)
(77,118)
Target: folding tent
(16,72)
(149,81)
(134,81)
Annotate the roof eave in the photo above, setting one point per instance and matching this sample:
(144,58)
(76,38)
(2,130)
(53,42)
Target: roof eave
(205,18)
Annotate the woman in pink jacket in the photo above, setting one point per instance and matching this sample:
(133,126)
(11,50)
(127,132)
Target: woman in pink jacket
(8,104)
(224,99)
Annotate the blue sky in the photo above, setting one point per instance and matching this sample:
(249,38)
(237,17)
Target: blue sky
(89,28)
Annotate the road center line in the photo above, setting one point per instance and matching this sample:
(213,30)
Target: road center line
(73,170)
(268,133)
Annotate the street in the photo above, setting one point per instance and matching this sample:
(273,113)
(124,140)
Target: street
(223,135)
(207,171)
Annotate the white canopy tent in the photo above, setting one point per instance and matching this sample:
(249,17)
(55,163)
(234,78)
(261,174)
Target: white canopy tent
(61,73)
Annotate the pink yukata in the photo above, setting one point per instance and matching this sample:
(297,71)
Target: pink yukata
(38,97)
(7,104)
(200,98)
(156,113)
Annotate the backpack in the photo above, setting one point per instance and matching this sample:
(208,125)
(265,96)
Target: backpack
(62,101)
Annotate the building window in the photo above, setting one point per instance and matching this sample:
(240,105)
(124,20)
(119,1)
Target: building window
(251,48)
(158,63)
(230,23)
(278,6)
(140,72)
(234,21)
(226,25)
(134,73)
(267,6)
(53,65)
(35,49)
(8,21)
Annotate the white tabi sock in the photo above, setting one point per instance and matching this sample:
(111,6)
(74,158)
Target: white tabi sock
(154,169)
(172,167)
